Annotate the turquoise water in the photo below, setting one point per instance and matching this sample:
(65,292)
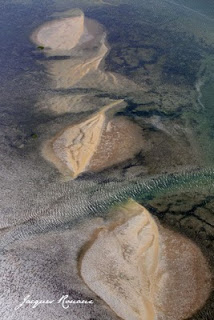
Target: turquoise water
(200,7)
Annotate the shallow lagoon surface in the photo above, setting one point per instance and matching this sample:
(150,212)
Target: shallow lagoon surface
(167,48)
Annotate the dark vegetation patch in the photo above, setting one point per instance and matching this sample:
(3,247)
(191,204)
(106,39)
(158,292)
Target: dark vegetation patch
(136,44)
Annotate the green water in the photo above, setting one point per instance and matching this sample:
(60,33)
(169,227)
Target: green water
(200,6)
(207,120)
(202,120)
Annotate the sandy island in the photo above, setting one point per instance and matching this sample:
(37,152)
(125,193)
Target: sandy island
(79,147)
(144,271)
(71,150)
(61,34)
(83,42)
(140,269)
(92,145)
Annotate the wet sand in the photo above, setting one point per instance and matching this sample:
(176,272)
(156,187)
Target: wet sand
(144,271)
(85,46)
(75,146)
(84,69)
(61,34)
(92,145)
(73,149)
(132,263)
(121,140)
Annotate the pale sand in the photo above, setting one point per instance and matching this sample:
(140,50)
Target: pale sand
(85,71)
(72,150)
(117,132)
(69,72)
(121,264)
(68,103)
(142,271)
(61,34)
(185,283)
(74,147)
(84,40)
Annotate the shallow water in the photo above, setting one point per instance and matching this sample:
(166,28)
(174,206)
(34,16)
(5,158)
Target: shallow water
(168,46)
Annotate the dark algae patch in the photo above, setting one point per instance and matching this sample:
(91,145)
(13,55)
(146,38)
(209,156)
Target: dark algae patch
(141,39)
(149,47)
(175,110)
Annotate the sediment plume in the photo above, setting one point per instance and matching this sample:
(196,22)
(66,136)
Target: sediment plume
(144,271)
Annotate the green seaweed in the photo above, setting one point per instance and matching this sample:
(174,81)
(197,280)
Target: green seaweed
(34,136)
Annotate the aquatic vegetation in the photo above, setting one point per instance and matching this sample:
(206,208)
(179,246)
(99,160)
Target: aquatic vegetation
(34,136)
(159,63)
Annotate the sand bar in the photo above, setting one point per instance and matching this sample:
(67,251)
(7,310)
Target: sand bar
(63,34)
(75,146)
(84,42)
(144,271)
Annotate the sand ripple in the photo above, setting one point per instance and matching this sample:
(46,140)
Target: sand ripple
(145,272)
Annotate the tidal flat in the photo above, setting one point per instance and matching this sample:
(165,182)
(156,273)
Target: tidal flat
(164,50)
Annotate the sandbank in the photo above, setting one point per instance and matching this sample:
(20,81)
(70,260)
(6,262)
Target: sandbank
(72,103)
(62,34)
(144,271)
(87,145)
(84,41)
(73,148)
(121,140)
